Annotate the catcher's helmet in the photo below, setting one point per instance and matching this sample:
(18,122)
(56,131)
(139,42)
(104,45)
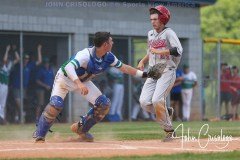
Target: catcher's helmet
(164,15)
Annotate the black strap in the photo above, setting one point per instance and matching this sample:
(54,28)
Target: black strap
(85,78)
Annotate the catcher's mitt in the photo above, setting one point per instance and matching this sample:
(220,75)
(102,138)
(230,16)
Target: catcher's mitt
(155,72)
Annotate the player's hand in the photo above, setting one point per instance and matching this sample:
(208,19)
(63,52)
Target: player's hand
(153,50)
(8,48)
(140,66)
(83,89)
(39,47)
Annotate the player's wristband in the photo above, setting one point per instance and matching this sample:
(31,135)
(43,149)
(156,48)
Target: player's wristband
(139,73)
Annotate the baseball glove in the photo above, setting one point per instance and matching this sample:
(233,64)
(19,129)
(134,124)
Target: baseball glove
(155,72)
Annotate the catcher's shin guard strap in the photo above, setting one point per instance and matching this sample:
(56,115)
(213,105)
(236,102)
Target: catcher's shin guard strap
(87,116)
(89,122)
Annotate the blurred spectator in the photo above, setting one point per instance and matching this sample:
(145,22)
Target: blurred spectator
(176,97)
(225,87)
(115,113)
(235,87)
(5,68)
(189,82)
(28,66)
(44,80)
(53,63)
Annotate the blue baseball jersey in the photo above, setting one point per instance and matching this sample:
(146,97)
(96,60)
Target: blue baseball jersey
(46,76)
(26,74)
(88,65)
(178,88)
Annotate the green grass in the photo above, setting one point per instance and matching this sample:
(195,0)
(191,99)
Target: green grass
(183,156)
(133,131)
(122,131)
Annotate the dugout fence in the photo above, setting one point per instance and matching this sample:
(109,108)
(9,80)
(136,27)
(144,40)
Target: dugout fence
(219,58)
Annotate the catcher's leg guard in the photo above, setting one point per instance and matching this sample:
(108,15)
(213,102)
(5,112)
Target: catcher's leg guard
(94,115)
(84,137)
(48,116)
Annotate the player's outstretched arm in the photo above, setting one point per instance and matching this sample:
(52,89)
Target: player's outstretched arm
(142,62)
(132,71)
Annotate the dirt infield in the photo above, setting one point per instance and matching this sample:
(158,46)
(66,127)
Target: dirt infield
(71,148)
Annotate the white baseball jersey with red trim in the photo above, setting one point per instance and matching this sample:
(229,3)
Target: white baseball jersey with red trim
(154,92)
(164,40)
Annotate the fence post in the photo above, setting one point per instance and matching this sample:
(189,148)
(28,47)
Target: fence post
(218,79)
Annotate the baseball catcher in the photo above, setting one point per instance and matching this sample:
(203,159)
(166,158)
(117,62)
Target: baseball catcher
(76,75)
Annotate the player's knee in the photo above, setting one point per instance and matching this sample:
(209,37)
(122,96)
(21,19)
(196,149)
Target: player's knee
(143,102)
(156,101)
(188,103)
(57,102)
(102,106)
(53,108)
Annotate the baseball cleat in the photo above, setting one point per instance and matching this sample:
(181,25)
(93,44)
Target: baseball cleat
(170,135)
(34,135)
(83,136)
(39,140)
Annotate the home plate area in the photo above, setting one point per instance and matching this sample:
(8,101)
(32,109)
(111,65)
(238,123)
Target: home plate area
(72,148)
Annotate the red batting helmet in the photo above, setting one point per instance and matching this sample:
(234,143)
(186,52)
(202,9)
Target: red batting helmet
(164,15)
